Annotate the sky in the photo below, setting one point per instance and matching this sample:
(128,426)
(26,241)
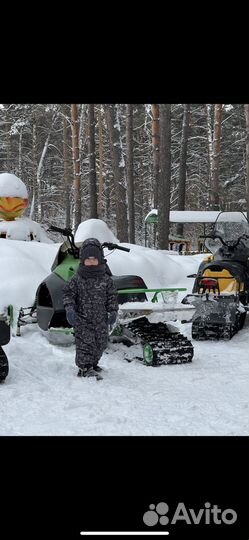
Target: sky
(43,396)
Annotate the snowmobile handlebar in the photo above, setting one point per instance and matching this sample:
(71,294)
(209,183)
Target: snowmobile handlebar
(74,249)
(228,243)
(110,245)
(65,232)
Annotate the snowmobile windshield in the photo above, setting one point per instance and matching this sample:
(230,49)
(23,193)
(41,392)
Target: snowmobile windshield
(231,226)
(230,232)
(213,244)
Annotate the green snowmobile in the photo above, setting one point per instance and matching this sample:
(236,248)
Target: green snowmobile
(160,343)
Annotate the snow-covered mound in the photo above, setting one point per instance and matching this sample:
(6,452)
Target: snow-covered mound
(95,228)
(158,268)
(24,229)
(23,266)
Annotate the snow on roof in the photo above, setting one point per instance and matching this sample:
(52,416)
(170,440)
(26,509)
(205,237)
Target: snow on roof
(196,216)
(12,186)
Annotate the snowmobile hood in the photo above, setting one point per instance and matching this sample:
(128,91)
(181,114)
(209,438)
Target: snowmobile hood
(237,270)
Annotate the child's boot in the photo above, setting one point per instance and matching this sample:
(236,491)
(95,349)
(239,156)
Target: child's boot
(89,372)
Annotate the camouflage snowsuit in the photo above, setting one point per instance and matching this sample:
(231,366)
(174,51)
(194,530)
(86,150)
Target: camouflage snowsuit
(92,298)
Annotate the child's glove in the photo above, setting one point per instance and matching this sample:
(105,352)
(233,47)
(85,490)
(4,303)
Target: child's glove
(112,318)
(72,316)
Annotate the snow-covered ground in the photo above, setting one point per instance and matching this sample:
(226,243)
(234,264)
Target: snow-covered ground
(43,396)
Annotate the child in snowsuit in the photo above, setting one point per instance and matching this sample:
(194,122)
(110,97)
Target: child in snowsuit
(90,300)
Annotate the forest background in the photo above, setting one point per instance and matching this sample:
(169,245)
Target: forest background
(117,162)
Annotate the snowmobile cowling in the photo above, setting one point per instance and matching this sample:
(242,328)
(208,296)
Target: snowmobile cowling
(49,304)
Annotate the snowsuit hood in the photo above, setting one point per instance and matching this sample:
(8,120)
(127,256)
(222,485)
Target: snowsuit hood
(91,247)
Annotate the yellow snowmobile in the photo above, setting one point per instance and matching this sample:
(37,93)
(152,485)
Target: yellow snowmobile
(221,287)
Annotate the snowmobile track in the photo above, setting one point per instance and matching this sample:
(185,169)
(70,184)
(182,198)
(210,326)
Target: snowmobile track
(168,347)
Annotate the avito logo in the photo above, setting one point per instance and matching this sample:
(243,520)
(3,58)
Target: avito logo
(210,514)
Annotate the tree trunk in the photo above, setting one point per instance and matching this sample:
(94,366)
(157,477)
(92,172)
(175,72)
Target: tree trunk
(32,213)
(118,166)
(156,150)
(183,164)
(101,168)
(40,168)
(93,212)
(76,166)
(7,137)
(66,169)
(39,180)
(210,152)
(247,159)
(215,196)
(130,172)
(165,174)
(140,203)
(20,154)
